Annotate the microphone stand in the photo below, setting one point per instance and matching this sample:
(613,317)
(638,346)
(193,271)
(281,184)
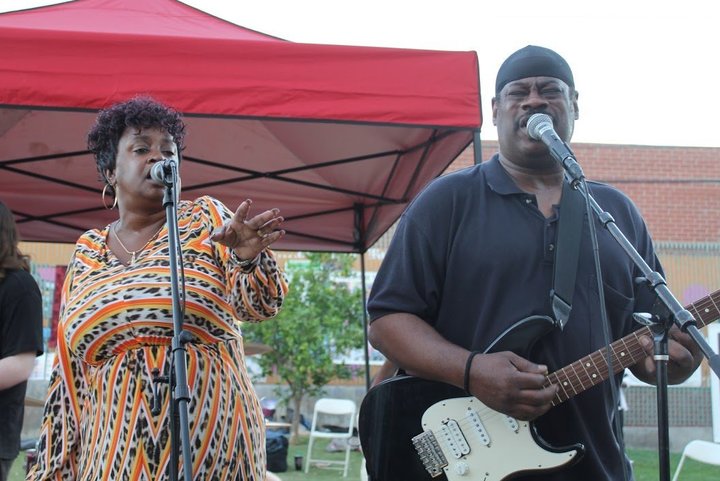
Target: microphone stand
(668,312)
(179,389)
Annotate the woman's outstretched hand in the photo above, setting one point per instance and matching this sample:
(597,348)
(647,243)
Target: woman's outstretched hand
(249,236)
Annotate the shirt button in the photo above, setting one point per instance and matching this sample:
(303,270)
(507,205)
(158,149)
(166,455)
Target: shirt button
(528,200)
(551,247)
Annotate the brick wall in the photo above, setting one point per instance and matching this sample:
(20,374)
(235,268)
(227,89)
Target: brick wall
(676,188)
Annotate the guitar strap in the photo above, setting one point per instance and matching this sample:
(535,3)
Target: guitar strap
(567,252)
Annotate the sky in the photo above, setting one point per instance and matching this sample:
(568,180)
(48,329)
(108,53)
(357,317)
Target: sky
(644,69)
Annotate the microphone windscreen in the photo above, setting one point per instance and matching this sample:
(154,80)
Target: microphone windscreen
(537,123)
(157,172)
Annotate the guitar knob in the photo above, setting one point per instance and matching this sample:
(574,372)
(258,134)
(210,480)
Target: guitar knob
(461,469)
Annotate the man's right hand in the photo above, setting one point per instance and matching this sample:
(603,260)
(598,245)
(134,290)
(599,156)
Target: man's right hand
(511,385)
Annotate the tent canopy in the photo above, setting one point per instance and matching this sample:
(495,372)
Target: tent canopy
(339,138)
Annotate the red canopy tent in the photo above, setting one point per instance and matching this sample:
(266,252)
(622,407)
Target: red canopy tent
(339,138)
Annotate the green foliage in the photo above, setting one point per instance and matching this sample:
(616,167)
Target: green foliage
(320,321)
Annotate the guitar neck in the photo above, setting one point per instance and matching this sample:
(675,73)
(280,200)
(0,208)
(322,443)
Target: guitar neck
(595,368)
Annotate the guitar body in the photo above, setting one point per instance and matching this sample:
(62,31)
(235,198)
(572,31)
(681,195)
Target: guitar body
(400,415)
(498,447)
(390,416)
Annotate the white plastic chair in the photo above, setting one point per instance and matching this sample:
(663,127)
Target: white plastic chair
(336,407)
(363,470)
(702,451)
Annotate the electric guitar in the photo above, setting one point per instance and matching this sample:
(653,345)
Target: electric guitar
(412,429)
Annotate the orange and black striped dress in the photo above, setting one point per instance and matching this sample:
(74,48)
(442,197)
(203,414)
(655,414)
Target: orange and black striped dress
(115,328)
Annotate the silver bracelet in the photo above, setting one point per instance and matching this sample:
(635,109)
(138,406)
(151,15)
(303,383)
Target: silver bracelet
(246,262)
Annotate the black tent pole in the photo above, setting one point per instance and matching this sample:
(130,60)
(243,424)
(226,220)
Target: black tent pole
(360,240)
(477,147)
(365,321)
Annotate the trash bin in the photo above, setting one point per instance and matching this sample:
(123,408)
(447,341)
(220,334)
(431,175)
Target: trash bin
(276,444)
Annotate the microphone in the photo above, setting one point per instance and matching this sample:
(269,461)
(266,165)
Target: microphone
(540,127)
(160,171)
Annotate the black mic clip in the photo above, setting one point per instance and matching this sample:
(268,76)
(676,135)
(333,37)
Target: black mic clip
(156,403)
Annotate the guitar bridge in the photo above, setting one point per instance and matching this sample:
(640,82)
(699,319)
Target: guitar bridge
(430,453)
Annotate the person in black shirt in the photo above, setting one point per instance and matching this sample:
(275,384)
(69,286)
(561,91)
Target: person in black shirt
(473,256)
(20,337)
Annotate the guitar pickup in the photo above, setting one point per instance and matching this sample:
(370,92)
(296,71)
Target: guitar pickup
(477,423)
(430,453)
(455,438)
(512,423)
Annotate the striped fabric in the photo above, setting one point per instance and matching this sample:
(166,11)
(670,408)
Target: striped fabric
(116,328)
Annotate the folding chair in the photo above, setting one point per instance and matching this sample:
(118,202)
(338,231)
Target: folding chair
(345,408)
(702,451)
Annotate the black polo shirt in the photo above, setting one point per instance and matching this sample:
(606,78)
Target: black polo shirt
(473,255)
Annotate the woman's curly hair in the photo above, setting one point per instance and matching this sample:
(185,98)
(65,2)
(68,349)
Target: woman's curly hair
(139,112)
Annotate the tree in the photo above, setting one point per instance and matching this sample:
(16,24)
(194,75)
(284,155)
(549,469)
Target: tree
(320,321)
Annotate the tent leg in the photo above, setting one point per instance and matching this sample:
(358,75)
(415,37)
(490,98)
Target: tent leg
(477,147)
(360,246)
(365,321)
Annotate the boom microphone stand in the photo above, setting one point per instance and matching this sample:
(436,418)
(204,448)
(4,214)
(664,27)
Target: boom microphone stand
(167,173)
(669,310)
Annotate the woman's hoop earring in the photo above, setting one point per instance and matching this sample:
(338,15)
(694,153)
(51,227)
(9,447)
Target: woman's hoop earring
(115,199)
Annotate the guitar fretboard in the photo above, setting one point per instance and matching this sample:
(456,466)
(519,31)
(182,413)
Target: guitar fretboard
(594,368)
